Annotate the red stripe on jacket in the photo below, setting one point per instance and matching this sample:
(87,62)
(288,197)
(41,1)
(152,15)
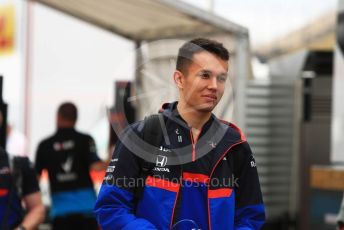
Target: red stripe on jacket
(163,184)
(196,177)
(221,192)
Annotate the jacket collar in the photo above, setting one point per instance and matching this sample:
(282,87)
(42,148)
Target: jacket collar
(170,111)
(213,125)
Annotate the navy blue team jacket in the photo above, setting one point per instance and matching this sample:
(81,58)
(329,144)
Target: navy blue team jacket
(217,188)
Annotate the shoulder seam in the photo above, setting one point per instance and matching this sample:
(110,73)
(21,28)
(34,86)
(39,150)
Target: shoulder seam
(236,128)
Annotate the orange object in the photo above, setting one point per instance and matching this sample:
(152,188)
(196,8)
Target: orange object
(7,29)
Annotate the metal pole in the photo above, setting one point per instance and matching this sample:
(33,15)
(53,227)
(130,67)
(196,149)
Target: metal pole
(138,80)
(211,5)
(28,76)
(241,81)
(3,118)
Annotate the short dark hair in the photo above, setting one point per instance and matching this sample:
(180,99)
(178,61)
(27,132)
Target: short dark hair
(186,52)
(68,111)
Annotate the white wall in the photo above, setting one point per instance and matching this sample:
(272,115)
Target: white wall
(12,67)
(337,151)
(74,61)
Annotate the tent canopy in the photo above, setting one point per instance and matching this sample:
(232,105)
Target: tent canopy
(140,20)
(318,35)
(148,21)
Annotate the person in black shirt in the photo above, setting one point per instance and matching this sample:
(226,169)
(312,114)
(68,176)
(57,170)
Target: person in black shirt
(18,182)
(68,156)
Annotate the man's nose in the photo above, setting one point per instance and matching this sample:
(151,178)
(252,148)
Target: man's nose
(213,83)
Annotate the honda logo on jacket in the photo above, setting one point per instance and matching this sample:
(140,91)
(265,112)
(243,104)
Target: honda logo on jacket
(161,161)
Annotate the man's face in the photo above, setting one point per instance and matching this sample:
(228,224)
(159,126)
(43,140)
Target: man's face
(203,85)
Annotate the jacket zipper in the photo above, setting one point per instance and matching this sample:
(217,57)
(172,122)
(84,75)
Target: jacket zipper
(194,142)
(179,195)
(212,172)
(193,146)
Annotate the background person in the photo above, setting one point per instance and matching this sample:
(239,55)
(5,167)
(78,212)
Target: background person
(68,156)
(19,185)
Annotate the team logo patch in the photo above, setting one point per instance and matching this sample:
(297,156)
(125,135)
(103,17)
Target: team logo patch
(161,161)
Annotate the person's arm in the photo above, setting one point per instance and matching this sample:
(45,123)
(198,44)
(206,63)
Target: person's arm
(40,159)
(249,207)
(31,196)
(115,206)
(340,218)
(95,163)
(35,211)
(99,165)
(340,225)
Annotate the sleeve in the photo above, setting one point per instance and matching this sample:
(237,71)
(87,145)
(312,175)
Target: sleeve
(40,159)
(92,151)
(249,209)
(115,205)
(340,218)
(29,176)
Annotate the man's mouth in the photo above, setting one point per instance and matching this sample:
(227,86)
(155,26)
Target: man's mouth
(210,97)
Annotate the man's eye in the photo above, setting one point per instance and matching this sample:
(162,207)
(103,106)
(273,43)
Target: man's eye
(205,75)
(221,78)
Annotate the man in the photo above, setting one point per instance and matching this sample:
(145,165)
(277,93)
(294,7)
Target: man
(18,183)
(340,218)
(216,188)
(68,157)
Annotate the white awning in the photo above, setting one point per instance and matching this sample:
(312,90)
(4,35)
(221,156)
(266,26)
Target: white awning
(318,35)
(146,19)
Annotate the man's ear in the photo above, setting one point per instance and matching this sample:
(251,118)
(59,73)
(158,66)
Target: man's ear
(178,79)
